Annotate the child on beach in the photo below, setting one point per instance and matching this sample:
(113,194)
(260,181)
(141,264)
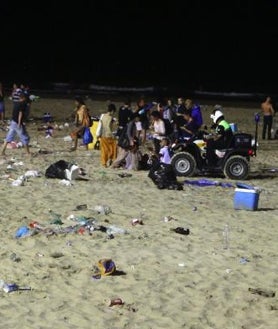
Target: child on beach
(164,152)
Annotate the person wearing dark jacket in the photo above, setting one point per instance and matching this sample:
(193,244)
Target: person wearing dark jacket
(124,116)
(129,133)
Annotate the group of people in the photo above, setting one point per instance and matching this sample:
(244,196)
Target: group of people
(123,135)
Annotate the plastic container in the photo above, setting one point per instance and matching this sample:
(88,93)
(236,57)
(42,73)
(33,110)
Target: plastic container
(246,199)
(234,127)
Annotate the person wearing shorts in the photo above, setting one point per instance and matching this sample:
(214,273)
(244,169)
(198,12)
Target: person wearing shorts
(18,126)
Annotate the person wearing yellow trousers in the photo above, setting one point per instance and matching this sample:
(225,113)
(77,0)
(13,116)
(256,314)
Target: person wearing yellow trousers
(108,142)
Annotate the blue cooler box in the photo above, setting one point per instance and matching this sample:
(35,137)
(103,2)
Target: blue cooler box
(233,127)
(246,199)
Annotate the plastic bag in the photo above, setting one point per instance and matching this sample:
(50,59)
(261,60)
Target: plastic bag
(62,170)
(87,136)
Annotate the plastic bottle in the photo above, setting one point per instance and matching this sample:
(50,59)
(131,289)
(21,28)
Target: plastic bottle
(8,287)
(80,219)
(112,229)
(35,224)
(226,237)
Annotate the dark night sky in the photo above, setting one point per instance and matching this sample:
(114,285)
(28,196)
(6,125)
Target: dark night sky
(196,43)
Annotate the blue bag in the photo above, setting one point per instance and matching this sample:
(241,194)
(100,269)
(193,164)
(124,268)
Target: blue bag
(87,136)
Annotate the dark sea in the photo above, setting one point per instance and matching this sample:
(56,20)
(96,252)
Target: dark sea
(150,92)
(155,93)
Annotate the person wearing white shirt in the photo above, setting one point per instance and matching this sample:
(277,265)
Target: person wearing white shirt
(158,127)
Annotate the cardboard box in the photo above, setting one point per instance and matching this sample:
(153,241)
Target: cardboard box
(246,199)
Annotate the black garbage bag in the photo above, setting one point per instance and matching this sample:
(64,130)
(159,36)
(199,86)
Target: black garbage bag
(58,169)
(164,176)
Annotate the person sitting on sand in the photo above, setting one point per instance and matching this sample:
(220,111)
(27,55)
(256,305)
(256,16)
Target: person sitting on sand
(130,132)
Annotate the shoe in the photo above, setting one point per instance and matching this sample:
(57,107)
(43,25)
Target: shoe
(181,230)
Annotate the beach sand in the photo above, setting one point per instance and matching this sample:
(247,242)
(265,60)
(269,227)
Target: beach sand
(165,279)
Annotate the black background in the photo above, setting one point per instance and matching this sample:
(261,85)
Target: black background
(219,46)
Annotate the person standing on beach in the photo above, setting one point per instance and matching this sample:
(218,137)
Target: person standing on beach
(144,110)
(105,132)
(124,116)
(179,114)
(268,114)
(2,104)
(82,120)
(15,95)
(18,126)
(26,91)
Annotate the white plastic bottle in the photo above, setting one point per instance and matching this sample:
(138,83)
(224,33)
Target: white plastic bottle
(8,287)
(226,237)
(112,229)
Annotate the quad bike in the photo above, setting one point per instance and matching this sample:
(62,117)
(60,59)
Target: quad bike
(189,157)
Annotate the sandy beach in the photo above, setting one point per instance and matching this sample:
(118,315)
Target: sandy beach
(164,279)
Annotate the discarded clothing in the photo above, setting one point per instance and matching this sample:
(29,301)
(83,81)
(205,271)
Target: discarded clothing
(207,182)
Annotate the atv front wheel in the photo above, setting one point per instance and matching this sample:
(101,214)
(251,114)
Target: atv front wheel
(184,164)
(236,167)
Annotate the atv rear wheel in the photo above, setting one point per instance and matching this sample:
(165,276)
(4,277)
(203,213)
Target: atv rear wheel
(184,164)
(236,167)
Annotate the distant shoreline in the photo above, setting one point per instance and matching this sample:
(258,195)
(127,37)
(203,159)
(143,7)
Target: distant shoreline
(104,92)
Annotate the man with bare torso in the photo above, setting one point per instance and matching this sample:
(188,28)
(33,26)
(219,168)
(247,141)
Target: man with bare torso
(268,113)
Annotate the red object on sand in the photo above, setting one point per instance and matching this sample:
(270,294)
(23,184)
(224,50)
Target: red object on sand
(35,224)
